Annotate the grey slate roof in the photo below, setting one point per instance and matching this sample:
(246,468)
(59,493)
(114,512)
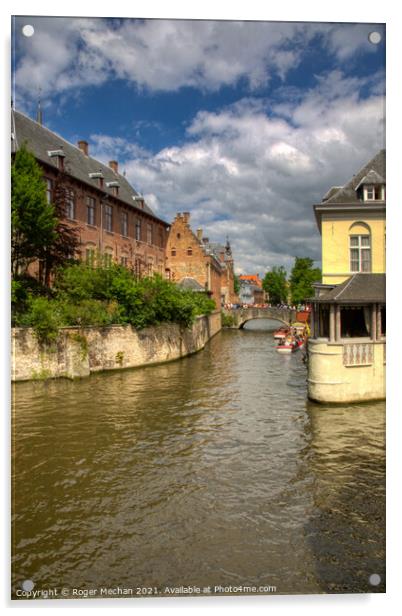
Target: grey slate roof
(359,288)
(372,177)
(190,283)
(347,193)
(40,140)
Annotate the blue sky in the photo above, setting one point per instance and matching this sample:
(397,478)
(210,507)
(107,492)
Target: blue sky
(243,124)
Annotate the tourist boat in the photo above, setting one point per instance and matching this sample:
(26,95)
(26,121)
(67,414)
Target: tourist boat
(289,345)
(281,333)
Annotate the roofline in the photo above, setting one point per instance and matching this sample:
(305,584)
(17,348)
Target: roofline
(91,158)
(321,208)
(105,194)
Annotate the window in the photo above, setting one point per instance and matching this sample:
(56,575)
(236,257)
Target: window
(49,190)
(189,251)
(138,230)
(374,192)
(124,261)
(360,253)
(90,256)
(124,224)
(150,266)
(107,259)
(70,204)
(91,220)
(178,236)
(173,252)
(137,267)
(149,233)
(108,218)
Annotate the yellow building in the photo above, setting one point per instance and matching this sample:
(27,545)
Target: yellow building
(347,346)
(351,220)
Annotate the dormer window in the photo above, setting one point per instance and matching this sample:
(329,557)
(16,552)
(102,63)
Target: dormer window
(97,177)
(373,193)
(57,157)
(372,187)
(114,186)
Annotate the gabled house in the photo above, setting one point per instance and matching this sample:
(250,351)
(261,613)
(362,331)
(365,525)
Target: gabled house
(348,317)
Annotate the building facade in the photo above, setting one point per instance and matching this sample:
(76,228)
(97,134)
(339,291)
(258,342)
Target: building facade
(351,221)
(346,349)
(188,262)
(111,218)
(251,291)
(194,262)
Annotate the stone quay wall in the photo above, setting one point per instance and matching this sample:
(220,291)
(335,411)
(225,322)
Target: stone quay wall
(80,351)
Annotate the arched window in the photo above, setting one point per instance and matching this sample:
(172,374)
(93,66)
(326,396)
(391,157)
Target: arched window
(189,251)
(360,247)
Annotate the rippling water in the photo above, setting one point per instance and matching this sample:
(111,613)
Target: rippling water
(212,470)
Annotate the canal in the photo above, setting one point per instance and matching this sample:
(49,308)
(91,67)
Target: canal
(211,470)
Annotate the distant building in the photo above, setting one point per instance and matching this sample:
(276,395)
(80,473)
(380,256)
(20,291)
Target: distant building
(112,219)
(347,345)
(194,262)
(251,291)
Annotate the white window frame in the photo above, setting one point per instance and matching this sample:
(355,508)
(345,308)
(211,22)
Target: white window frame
(360,248)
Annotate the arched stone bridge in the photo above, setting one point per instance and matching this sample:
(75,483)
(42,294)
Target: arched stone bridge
(242,315)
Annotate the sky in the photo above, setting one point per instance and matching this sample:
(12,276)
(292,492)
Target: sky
(244,124)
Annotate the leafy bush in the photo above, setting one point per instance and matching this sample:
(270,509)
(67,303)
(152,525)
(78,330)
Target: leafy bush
(227,320)
(43,315)
(85,296)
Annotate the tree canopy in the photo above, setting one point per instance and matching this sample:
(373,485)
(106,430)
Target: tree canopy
(301,279)
(33,219)
(276,285)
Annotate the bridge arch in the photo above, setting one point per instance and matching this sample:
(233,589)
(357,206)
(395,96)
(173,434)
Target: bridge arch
(241,316)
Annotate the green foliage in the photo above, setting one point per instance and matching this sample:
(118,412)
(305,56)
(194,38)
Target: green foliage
(33,220)
(43,315)
(227,320)
(276,285)
(85,296)
(236,284)
(302,276)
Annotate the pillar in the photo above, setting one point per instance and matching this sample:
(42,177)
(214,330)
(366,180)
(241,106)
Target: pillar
(373,333)
(332,323)
(378,322)
(312,321)
(337,323)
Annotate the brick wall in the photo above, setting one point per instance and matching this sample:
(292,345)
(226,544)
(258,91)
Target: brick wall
(145,255)
(185,257)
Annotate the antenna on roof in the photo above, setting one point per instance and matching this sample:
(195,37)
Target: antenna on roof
(39,117)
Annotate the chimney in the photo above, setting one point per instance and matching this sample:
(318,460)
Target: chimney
(114,165)
(199,235)
(83,146)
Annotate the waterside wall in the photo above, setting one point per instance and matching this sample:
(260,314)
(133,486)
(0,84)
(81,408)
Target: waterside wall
(80,351)
(350,371)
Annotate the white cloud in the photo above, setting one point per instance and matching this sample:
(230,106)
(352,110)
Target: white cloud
(66,53)
(255,177)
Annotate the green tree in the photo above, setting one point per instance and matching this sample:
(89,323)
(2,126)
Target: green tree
(276,285)
(66,240)
(33,219)
(301,280)
(236,284)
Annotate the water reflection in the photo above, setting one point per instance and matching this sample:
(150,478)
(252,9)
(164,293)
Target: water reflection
(210,470)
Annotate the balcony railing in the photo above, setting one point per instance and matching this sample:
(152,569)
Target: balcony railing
(358,354)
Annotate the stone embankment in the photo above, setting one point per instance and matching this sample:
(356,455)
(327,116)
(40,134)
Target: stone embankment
(80,351)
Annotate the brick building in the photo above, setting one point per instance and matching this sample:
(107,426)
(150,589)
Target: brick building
(112,219)
(194,262)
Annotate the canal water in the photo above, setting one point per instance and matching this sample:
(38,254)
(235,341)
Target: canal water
(213,470)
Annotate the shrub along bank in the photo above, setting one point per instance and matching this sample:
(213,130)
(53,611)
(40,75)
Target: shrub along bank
(94,296)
